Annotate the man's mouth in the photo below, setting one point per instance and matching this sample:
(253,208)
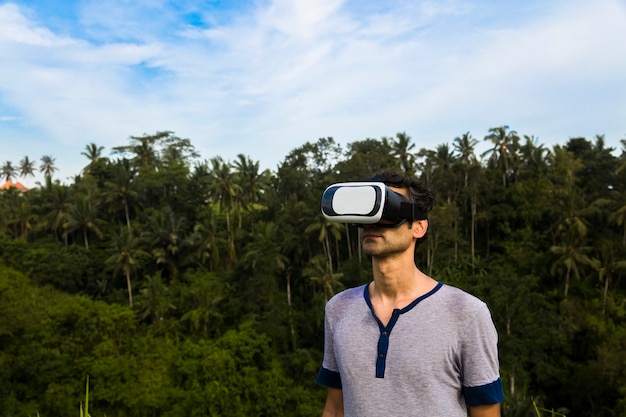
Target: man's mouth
(370,235)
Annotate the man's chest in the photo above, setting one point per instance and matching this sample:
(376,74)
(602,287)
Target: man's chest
(411,346)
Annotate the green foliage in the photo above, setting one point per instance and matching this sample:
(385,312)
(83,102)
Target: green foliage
(197,288)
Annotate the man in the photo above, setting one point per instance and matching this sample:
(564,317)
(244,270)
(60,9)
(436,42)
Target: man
(405,344)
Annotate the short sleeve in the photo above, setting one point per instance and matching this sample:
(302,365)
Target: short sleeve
(328,374)
(481,369)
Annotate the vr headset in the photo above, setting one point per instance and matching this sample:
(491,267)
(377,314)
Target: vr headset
(368,203)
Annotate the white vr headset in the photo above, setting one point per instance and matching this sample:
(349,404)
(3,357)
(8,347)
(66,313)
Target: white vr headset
(368,203)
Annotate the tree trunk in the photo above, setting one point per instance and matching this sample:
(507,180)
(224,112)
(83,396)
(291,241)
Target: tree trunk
(291,325)
(566,284)
(130,291)
(472,234)
(605,292)
(127,215)
(86,238)
(348,240)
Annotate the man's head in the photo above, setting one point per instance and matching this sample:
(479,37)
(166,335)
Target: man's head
(387,200)
(418,193)
(375,201)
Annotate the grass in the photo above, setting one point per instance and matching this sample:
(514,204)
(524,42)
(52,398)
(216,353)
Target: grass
(84,411)
(540,411)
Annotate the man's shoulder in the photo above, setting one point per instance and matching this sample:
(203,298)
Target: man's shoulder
(460,299)
(346,296)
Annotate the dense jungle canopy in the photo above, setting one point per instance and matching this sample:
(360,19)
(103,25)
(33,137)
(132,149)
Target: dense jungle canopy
(184,286)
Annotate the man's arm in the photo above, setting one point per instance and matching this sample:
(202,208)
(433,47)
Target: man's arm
(334,403)
(491,410)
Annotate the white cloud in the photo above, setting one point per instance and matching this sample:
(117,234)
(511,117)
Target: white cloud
(286,72)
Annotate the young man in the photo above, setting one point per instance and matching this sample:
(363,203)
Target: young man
(405,344)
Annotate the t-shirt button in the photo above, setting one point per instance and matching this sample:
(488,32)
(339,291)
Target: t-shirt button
(384,333)
(381,356)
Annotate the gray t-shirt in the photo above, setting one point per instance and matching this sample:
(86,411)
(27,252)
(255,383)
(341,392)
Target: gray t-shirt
(434,357)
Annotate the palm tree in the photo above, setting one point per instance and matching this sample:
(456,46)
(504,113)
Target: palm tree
(619,218)
(166,235)
(319,271)
(226,193)
(401,147)
(204,294)
(464,146)
(83,216)
(535,156)
(47,166)
(19,214)
(121,189)
(265,249)
(56,205)
(8,171)
(572,228)
(502,154)
(251,182)
(126,253)
(205,240)
(572,257)
(622,166)
(610,264)
(155,302)
(27,167)
(143,149)
(326,230)
(93,153)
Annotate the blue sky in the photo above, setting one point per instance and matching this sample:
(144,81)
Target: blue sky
(263,77)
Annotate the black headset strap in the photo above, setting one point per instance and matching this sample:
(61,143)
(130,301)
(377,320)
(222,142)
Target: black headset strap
(412,212)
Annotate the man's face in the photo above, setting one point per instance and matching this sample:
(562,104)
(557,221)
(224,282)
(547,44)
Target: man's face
(387,241)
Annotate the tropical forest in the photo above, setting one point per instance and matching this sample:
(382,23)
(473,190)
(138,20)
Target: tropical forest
(158,282)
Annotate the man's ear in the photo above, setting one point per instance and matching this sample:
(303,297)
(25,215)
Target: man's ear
(419,228)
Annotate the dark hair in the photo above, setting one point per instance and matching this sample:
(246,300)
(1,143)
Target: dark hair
(421,194)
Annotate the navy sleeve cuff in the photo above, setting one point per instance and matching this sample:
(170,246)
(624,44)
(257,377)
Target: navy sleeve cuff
(485,394)
(328,378)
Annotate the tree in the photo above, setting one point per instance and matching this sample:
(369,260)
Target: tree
(167,238)
(8,171)
(203,296)
(82,216)
(93,153)
(155,300)
(205,240)
(125,255)
(572,257)
(535,156)
(121,189)
(401,148)
(225,192)
(56,204)
(251,180)
(365,157)
(19,214)
(264,252)
(502,154)
(27,167)
(464,146)
(47,166)
(326,230)
(319,271)
(143,149)
(619,218)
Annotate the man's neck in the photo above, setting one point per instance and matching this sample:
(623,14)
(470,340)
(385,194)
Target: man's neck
(398,281)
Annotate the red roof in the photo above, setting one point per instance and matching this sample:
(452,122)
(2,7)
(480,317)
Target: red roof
(11,184)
